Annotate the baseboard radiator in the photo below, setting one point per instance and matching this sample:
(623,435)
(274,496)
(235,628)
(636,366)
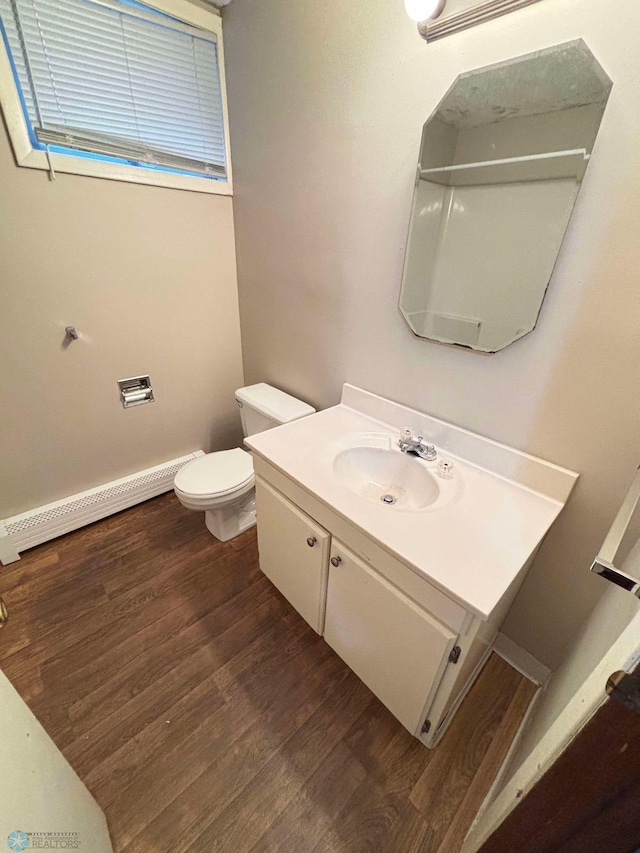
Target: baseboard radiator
(43,523)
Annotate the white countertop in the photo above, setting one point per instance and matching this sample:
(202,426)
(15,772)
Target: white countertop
(473,545)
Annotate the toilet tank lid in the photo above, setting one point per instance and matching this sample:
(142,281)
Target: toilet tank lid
(273,403)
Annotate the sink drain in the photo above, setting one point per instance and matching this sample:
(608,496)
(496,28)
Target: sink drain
(388,499)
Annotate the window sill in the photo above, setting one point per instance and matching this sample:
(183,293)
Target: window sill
(69,164)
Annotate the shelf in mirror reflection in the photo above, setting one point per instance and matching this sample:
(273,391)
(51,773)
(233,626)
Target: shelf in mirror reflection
(554,165)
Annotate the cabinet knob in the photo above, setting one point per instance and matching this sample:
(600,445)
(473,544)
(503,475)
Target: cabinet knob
(4,613)
(335,561)
(311,541)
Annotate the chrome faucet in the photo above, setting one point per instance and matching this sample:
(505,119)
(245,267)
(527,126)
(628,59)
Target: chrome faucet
(408,443)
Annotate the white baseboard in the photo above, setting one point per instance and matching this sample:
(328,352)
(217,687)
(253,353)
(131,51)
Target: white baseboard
(521,660)
(43,523)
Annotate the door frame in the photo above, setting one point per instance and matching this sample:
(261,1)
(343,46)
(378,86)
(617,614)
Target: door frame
(532,792)
(545,802)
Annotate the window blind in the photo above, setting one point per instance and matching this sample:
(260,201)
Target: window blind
(115,78)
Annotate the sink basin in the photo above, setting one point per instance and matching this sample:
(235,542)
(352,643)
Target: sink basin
(386,476)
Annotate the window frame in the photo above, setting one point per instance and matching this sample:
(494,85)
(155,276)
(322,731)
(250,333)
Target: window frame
(32,158)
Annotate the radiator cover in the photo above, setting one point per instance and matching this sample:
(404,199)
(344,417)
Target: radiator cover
(23,531)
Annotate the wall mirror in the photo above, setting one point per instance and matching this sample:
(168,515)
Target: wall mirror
(500,167)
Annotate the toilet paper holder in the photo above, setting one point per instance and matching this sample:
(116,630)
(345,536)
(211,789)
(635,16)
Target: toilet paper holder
(135,391)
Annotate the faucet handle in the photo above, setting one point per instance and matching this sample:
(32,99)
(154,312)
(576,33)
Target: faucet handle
(445,469)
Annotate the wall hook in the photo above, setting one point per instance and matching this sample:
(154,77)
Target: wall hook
(72,334)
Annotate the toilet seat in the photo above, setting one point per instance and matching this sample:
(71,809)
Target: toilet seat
(215,478)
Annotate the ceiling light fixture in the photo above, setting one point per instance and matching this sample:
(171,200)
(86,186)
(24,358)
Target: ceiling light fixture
(423,10)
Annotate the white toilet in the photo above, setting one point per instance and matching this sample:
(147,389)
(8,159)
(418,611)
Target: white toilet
(221,484)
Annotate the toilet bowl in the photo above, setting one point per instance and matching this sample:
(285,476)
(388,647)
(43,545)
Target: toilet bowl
(221,484)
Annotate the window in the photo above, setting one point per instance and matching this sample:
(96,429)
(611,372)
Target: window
(115,88)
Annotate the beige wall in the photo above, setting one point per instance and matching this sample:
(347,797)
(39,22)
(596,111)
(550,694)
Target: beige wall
(327,104)
(148,276)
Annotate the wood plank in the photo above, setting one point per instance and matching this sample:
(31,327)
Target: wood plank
(483,696)
(271,715)
(489,767)
(121,617)
(379,815)
(315,806)
(242,823)
(441,790)
(111,776)
(85,664)
(204,713)
(231,626)
(374,820)
(123,673)
(32,568)
(131,756)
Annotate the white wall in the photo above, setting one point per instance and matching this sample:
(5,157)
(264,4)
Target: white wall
(148,275)
(327,103)
(39,790)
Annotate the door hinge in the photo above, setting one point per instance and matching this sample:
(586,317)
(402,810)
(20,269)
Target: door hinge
(426,726)
(625,690)
(454,655)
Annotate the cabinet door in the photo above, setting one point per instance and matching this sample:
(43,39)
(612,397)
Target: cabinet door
(395,647)
(294,553)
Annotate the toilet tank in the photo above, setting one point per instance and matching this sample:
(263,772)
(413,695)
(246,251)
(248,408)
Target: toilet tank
(262,407)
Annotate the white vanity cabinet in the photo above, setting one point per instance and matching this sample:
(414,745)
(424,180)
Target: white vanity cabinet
(397,648)
(411,645)
(294,553)
(410,592)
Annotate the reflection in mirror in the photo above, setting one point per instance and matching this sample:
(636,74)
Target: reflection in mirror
(500,167)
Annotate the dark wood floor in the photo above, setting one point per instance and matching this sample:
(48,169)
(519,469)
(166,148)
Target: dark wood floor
(205,715)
